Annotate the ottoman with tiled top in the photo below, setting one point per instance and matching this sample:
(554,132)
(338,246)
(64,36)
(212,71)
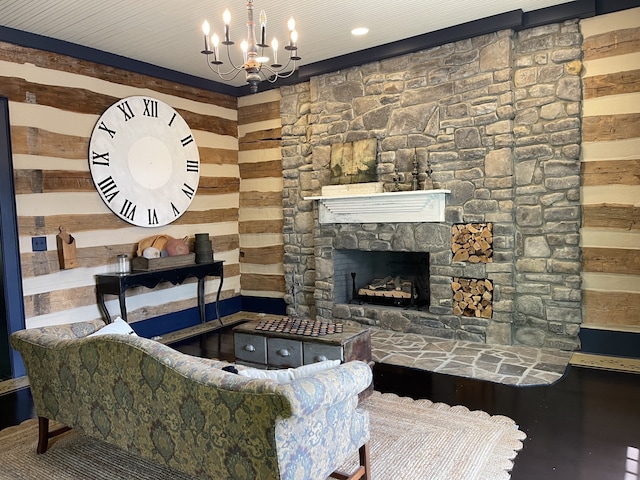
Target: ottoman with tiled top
(291,343)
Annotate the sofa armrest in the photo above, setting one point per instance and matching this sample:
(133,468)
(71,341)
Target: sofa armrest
(327,387)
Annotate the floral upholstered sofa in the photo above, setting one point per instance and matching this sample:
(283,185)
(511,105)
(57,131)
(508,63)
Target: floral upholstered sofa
(189,414)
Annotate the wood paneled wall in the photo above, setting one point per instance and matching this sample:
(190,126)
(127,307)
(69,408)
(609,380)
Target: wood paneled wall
(54,103)
(261,216)
(611,171)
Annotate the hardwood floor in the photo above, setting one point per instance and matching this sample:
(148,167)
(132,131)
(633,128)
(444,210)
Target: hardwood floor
(579,428)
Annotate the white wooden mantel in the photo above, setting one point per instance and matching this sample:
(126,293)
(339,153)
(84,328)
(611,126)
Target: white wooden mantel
(389,207)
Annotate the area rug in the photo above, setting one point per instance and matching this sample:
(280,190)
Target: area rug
(410,440)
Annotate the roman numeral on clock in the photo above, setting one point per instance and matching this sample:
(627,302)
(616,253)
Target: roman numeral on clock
(153,216)
(128,210)
(126,110)
(103,127)
(100,158)
(192,165)
(108,188)
(150,108)
(188,191)
(186,140)
(176,212)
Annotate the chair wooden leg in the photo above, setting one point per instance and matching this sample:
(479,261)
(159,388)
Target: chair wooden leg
(44,434)
(363,472)
(365,461)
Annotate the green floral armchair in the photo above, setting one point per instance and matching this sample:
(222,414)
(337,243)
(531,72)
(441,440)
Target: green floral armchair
(187,413)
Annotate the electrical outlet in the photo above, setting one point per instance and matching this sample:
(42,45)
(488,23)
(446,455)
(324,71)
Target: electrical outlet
(39,244)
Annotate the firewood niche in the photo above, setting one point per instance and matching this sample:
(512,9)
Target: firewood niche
(472,242)
(472,297)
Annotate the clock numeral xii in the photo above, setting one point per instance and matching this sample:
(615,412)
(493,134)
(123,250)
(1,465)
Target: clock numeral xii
(150,108)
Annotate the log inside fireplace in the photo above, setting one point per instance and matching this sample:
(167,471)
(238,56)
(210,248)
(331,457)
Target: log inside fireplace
(389,290)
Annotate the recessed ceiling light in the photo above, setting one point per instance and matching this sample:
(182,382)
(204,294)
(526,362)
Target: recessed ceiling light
(360,31)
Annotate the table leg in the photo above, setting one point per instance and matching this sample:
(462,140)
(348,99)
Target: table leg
(103,308)
(201,303)
(123,307)
(218,297)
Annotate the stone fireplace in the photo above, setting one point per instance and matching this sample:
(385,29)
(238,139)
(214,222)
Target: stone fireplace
(496,120)
(426,245)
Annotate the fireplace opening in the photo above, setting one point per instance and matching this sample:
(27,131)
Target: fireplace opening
(381,278)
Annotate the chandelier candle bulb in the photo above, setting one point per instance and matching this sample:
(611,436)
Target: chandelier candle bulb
(205,30)
(226,18)
(216,41)
(244,46)
(291,24)
(274,46)
(263,29)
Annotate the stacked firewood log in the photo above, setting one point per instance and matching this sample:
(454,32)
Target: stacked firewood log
(472,242)
(472,297)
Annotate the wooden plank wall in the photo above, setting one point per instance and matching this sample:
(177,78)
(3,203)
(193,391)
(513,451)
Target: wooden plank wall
(54,103)
(261,182)
(611,171)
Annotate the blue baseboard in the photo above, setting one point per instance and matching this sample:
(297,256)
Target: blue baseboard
(607,342)
(171,322)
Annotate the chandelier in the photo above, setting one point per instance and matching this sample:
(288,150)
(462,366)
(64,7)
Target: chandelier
(255,55)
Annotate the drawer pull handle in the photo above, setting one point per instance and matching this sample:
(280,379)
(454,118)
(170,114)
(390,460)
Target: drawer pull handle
(250,348)
(283,352)
(321,358)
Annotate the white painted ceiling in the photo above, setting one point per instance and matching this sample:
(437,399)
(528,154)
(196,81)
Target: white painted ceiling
(168,33)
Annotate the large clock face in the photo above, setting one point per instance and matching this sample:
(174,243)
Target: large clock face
(144,161)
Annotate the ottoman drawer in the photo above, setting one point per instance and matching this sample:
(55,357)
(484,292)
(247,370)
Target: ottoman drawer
(318,352)
(283,352)
(250,348)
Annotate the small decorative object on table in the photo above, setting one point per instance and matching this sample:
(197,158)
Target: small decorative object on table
(160,252)
(203,248)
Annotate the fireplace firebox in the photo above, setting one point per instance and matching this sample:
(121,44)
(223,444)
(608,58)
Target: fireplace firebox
(398,279)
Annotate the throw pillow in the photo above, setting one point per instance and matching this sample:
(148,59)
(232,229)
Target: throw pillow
(289,374)
(118,326)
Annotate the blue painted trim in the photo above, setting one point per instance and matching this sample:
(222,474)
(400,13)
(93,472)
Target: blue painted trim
(559,13)
(171,322)
(9,248)
(609,342)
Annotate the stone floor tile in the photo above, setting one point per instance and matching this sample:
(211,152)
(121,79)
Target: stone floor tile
(510,369)
(487,357)
(550,367)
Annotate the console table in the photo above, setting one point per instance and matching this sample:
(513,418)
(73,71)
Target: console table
(118,283)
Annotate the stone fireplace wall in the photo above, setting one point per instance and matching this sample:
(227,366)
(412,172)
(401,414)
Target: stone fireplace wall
(496,118)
